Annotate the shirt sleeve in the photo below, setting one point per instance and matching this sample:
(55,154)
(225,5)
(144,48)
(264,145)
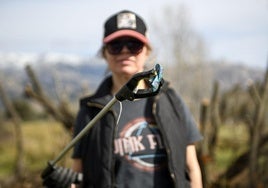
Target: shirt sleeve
(193,133)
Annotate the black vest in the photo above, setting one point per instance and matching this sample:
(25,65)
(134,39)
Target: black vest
(170,114)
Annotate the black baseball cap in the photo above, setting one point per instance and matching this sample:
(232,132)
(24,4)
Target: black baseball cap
(125,23)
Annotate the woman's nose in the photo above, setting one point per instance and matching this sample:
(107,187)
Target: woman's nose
(125,50)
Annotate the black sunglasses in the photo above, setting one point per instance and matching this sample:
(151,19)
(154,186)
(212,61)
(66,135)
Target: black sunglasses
(115,47)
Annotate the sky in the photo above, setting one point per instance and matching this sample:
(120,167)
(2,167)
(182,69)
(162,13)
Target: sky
(233,30)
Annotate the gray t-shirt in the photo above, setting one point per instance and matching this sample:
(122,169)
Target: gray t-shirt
(141,159)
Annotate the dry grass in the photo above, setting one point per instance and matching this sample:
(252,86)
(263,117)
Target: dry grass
(232,142)
(43,140)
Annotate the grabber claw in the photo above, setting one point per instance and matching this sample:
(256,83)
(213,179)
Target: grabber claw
(153,78)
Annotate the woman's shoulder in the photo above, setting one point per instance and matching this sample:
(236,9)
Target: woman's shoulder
(103,90)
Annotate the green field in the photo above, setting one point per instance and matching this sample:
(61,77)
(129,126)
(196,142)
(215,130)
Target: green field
(43,140)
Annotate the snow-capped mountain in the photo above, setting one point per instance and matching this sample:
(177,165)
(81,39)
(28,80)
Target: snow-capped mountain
(73,73)
(21,59)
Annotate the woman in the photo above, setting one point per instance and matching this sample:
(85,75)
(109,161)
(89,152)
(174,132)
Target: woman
(142,143)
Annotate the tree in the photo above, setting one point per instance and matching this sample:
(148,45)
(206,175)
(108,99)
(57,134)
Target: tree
(184,53)
(60,112)
(19,166)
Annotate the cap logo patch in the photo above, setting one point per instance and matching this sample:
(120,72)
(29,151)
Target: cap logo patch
(126,20)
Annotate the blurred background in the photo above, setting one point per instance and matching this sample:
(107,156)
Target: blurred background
(215,54)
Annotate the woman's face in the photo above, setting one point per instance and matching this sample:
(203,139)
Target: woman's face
(126,56)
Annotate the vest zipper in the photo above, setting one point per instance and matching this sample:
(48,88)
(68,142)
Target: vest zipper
(171,171)
(112,145)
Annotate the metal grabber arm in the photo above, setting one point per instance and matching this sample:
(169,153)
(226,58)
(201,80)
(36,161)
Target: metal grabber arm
(154,80)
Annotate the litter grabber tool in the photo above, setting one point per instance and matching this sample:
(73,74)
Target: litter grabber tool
(130,91)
